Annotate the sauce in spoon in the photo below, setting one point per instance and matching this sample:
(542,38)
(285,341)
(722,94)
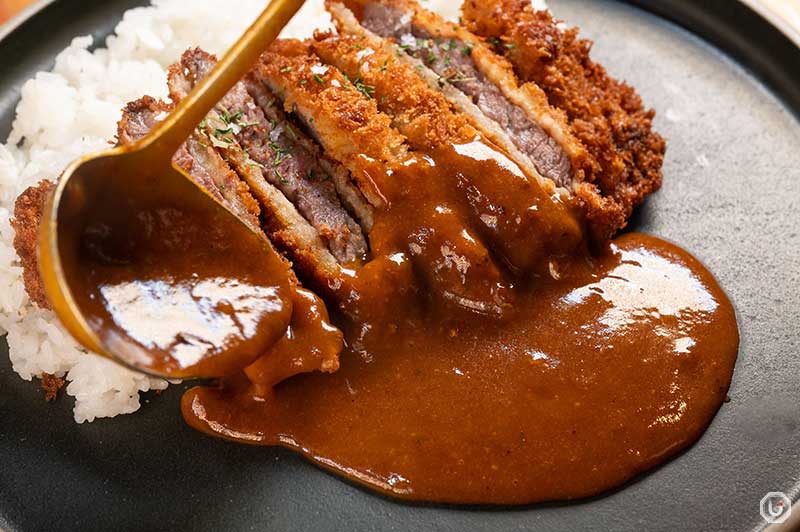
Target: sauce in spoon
(173,287)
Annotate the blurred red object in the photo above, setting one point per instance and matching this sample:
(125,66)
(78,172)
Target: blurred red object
(9,8)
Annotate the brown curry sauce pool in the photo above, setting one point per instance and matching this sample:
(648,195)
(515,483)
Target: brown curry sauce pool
(572,372)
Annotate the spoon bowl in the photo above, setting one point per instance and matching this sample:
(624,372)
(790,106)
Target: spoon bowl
(144,266)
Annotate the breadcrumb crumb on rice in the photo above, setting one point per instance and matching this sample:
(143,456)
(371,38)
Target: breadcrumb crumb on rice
(52,386)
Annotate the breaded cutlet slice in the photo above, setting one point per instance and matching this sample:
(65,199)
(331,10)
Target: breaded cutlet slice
(347,125)
(432,124)
(607,115)
(196,157)
(265,141)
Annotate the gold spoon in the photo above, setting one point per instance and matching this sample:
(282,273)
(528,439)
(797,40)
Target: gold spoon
(119,220)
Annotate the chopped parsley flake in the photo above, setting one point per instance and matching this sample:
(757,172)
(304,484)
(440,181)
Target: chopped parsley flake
(231,118)
(281,153)
(455,77)
(280,177)
(366,90)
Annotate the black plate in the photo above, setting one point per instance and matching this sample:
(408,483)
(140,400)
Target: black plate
(732,195)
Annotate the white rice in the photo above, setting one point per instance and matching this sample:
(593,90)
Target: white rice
(73,110)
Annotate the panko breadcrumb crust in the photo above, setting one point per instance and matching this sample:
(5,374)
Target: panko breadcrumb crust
(27,217)
(605,114)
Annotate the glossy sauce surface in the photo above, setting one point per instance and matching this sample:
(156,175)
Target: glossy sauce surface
(482,366)
(607,372)
(173,284)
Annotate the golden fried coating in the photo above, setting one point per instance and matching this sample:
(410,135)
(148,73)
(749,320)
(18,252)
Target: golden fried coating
(346,122)
(28,212)
(423,115)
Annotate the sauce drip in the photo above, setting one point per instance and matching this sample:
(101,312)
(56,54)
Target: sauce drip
(489,358)
(173,284)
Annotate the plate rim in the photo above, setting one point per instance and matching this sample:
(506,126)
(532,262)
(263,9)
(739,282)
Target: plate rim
(755,54)
(758,11)
(746,32)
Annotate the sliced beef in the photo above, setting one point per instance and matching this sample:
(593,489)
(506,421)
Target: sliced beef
(451,58)
(362,124)
(347,124)
(350,195)
(196,157)
(276,148)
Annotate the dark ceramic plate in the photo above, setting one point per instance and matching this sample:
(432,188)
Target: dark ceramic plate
(731,195)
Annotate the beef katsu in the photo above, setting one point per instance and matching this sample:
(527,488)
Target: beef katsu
(306,147)
(447,197)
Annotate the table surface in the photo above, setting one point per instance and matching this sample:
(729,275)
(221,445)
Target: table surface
(9,8)
(788,10)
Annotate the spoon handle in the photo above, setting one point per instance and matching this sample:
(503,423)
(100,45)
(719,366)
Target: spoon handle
(173,131)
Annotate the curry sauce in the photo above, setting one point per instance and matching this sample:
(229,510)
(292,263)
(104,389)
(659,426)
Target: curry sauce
(466,381)
(175,285)
(465,332)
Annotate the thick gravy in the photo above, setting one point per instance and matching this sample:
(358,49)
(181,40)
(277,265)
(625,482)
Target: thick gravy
(173,284)
(484,367)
